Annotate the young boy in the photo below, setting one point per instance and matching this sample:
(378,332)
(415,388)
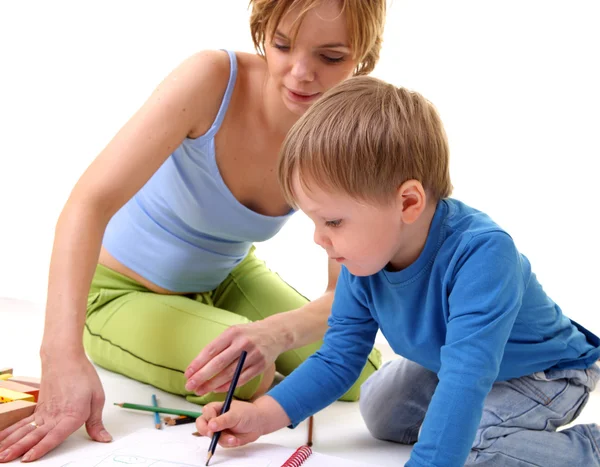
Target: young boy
(490,366)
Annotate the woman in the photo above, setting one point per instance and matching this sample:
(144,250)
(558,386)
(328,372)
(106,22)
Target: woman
(167,214)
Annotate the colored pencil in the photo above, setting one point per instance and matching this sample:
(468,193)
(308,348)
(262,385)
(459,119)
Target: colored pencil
(226,405)
(309,443)
(178,421)
(149,408)
(157,423)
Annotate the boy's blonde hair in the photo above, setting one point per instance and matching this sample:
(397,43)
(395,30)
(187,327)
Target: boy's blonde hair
(365,18)
(364,138)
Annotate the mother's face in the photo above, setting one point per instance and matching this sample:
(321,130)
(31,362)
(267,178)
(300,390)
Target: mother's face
(319,59)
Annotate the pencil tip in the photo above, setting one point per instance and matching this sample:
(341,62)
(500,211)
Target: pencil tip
(119,404)
(208,458)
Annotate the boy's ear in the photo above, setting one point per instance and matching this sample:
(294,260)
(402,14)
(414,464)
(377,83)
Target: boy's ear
(412,200)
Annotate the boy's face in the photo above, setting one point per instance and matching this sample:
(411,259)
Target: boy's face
(362,236)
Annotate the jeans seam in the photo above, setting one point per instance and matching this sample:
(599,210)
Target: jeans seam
(411,433)
(545,399)
(593,439)
(129,352)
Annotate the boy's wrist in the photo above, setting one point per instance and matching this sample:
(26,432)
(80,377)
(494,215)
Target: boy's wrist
(271,415)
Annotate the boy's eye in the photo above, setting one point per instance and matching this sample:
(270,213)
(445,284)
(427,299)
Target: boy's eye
(333,223)
(281,46)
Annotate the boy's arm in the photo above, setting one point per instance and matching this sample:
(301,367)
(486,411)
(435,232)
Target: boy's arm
(484,299)
(330,372)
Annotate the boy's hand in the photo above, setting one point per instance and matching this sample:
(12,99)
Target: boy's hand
(244,422)
(240,425)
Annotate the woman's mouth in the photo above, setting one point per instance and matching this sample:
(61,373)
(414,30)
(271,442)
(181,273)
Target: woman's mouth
(300,96)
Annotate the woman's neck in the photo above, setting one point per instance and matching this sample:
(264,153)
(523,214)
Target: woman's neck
(275,113)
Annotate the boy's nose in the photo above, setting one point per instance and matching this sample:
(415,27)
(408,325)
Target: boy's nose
(321,240)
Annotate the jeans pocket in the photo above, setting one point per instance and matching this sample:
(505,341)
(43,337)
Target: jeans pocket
(541,387)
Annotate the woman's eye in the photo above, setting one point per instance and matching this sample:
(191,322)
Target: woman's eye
(334,223)
(333,59)
(281,46)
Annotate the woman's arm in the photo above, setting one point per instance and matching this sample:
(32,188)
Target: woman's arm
(308,323)
(264,341)
(71,392)
(179,105)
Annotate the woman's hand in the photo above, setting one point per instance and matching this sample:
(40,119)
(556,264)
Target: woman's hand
(212,370)
(70,395)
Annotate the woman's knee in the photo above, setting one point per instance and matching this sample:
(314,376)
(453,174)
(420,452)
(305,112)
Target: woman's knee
(267,380)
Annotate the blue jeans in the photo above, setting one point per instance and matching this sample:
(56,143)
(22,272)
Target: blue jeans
(519,422)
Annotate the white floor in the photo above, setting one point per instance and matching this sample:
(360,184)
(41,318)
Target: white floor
(339,430)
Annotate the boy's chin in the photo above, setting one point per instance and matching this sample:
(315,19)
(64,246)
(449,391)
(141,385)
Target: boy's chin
(362,272)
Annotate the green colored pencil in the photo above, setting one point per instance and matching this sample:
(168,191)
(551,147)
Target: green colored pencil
(149,408)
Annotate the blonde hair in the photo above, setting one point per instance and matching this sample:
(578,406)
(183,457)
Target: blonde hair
(365,18)
(365,138)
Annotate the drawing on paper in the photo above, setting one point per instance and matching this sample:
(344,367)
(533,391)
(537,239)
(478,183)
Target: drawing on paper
(122,458)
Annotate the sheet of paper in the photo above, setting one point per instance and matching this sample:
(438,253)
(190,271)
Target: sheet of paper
(148,447)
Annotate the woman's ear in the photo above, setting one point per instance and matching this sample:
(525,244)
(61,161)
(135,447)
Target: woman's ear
(412,200)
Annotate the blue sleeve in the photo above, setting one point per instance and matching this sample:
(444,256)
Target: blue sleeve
(329,373)
(485,295)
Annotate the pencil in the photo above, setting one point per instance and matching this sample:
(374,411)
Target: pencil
(310,431)
(178,421)
(156,414)
(226,405)
(149,408)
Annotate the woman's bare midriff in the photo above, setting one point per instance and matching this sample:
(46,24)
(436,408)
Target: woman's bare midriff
(107,260)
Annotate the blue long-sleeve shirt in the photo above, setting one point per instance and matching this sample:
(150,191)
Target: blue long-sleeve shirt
(469,309)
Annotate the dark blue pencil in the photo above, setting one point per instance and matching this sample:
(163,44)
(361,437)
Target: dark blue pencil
(227,404)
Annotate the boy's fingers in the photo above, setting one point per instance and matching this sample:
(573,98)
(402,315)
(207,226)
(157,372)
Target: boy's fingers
(202,426)
(223,422)
(230,440)
(212,410)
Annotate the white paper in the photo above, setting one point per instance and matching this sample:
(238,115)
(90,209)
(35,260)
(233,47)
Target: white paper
(148,447)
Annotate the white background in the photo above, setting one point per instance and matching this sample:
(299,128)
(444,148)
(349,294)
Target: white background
(515,83)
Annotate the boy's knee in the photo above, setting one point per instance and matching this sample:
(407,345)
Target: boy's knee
(393,404)
(384,424)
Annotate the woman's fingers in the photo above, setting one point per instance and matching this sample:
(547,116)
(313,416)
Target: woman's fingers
(206,355)
(5,435)
(53,437)
(227,339)
(246,376)
(219,363)
(23,439)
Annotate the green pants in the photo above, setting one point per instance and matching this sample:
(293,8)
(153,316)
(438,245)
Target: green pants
(153,337)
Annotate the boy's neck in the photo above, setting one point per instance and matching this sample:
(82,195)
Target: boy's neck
(414,237)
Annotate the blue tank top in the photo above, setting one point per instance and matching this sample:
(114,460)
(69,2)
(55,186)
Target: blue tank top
(184,230)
